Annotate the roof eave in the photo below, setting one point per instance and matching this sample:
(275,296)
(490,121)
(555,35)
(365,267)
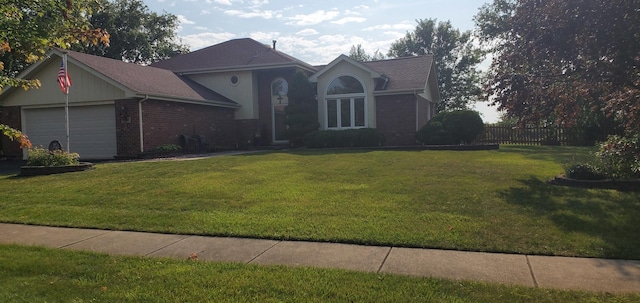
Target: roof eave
(374,74)
(186,100)
(242,68)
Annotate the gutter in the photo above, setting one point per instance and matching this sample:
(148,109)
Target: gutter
(398,91)
(188,100)
(146,97)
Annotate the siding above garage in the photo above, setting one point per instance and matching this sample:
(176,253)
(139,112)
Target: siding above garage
(86,88)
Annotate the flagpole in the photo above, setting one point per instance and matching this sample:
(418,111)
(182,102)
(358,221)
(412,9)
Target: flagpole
(66,104)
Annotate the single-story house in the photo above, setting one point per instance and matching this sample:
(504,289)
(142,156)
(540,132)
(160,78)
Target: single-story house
(231,94)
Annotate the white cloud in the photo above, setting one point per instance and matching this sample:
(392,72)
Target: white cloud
(307,32)
(395,35)
(258,3)
(200,28)
(359,7)
(332,39)
(198,41)
(265,14)
(313,18)
(264,37)
(404,25)
(223,2)
(349,19)
(183,20)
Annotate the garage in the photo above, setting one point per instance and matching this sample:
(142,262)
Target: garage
(92,129)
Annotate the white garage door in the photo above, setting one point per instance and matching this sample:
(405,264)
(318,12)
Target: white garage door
(92,129)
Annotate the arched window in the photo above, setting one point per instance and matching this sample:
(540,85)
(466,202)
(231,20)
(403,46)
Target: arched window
(345,103)
(279,101)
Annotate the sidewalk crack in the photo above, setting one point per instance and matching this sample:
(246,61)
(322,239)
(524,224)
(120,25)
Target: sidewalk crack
(262,253)
(533,276)
(85,239)
(384,260)
(170,244)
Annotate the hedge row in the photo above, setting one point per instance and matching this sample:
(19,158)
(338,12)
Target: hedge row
(361,137)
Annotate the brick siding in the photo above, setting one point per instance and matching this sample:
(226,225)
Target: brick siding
(127,128)
(396,119)
(165,121)
(11,116)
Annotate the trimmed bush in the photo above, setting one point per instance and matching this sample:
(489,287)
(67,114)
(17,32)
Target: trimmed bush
(42,157)
(434,134)
(449,128)
(619,157)
(361,137)
(583,171)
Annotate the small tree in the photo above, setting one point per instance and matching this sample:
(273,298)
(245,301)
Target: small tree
(302,111)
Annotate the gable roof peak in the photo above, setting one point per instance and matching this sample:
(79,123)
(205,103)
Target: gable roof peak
(345,58)
(236,54)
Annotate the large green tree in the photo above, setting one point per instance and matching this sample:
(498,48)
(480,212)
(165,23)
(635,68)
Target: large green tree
(137,34)
(456,59)
(28,28)
(564,61)
(358,53)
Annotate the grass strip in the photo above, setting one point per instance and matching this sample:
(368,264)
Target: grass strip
(33,274)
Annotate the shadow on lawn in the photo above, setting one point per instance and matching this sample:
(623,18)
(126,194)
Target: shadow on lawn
(606,214)
(558,154)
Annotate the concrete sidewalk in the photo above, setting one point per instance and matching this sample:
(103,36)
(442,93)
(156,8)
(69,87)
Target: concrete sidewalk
(615,276)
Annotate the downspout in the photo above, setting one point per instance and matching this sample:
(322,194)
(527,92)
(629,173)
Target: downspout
(384,84)
(146,97)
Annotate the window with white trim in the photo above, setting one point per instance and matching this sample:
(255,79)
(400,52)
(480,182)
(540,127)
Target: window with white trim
(345,103)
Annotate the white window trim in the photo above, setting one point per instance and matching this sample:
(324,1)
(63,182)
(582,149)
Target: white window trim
(352,98)
(352,108)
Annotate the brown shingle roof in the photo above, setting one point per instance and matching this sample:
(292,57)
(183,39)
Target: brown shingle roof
(233,54)
(404,73)
(146,80)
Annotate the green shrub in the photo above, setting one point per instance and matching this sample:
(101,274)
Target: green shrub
(168,147)
(456,127)
(434,134)
(368,137)
(619,157)
(361,137)
(42,157)
(583,171)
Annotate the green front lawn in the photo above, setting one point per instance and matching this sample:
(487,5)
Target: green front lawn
(30,274)
(482,200)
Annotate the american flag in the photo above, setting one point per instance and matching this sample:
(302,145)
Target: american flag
(63,78)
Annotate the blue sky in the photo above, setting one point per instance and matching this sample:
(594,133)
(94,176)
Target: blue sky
(314,31)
